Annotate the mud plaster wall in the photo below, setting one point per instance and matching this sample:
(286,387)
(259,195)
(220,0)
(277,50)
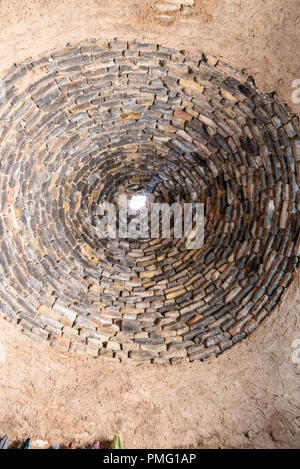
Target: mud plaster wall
(249,396)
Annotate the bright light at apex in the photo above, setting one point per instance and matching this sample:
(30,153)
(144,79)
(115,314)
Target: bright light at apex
(137,202)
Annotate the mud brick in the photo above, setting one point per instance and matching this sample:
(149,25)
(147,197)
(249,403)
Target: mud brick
(113,346)
(78,348)
(141,355)
(75,59)
(154,348)
(202,355)
(166,7)
(225,345)
(68,316)
(238,337)
(121,355)
(173,354)
(216,339)
(37,337)
(250,326)
(60,343)
(179,345)
(124,337)
(40,332)
(69,332)
(149,341)
(131,326)
(8,313)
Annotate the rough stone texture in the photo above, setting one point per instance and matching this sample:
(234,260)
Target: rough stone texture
(167,10)
(99,118)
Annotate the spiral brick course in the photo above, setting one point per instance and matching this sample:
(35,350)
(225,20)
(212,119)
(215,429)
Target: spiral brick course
(88,122)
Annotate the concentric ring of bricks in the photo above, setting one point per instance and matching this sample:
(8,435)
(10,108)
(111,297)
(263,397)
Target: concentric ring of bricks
(88,122)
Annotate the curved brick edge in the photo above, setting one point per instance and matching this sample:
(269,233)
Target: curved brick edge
(82,123)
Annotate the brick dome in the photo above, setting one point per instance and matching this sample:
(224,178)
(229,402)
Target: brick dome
(81,125)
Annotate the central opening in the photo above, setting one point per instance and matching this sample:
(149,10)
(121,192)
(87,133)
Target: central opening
(137,202)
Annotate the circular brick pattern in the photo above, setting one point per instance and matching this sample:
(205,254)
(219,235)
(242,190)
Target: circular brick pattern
(88,122)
